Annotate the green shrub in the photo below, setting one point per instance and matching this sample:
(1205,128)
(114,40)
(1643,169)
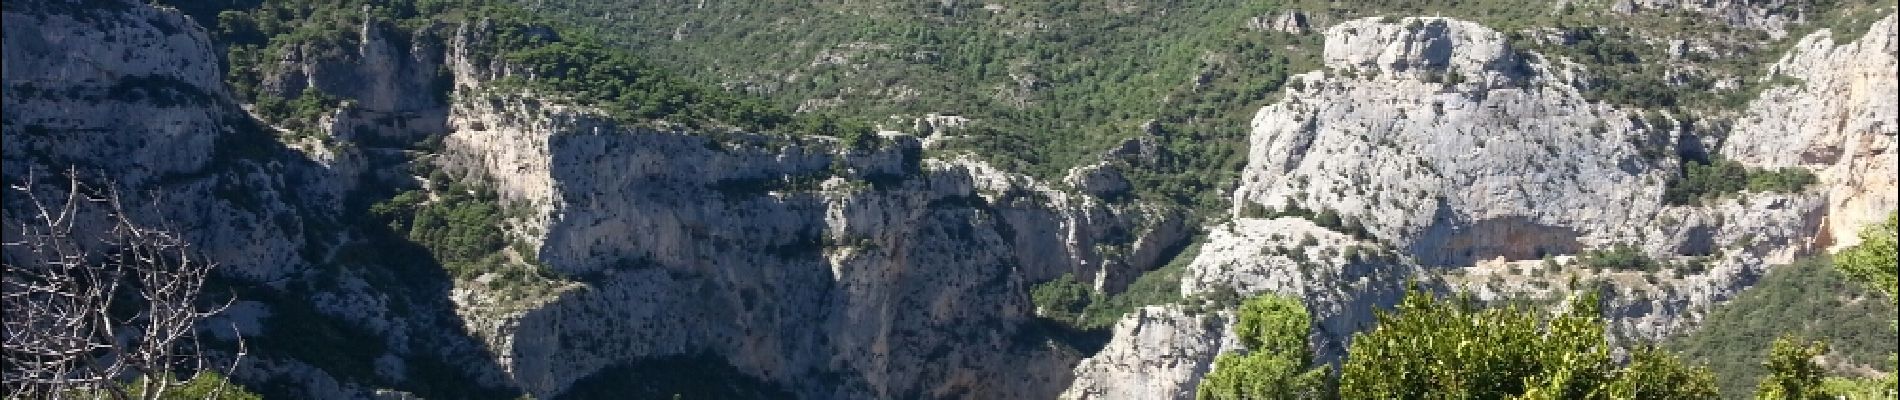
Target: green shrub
(1428,348)
(205,385)
(461,227)
(1620,257)
(1792,372)
(1276,364)
(1722,177)
(1062,299)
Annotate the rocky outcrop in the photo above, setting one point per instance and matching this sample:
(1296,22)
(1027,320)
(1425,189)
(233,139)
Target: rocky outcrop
(1437,137)
(1450,148)
(838,273)
(1838,121)
(1162,352)
(1290,21)
(1771,16)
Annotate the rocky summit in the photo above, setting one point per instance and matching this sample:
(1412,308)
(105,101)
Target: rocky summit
(498,199)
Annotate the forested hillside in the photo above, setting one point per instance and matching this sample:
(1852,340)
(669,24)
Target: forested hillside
(1810,300)
(1166,88)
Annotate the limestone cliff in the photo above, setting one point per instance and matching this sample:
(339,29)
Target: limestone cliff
(1838,120)
(1476,160)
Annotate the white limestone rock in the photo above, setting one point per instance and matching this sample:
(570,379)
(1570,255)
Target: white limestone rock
(1839,121)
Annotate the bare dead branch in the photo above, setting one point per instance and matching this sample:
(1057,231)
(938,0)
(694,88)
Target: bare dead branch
(96,301)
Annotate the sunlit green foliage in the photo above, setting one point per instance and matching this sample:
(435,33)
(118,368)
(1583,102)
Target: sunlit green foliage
(1428,348)
(1792,372)
(541,54)
(461,226)
(1873,262)
(1062,299)
(1276,363)
(1619,257)
(205,385)
(1053,84)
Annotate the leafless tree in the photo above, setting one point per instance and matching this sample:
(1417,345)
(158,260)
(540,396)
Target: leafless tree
(95,304)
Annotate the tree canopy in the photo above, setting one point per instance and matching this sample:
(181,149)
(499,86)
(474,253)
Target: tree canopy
(1430,348)
(1274,329)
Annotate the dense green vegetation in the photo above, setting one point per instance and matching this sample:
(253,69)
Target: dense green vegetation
(1448,349)
(1808,299)
(1701,181)
(1051,83)
(1874,262)
(1277,363)
(1077,307)
(461,225)
(562,62)
(204,385)
(1792,372)
(1428,348)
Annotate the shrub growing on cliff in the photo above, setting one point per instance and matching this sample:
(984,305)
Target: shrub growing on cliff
(1062,299)
(1792,372)
(1620,257)
(1274,329)
(1874,263)
(461,227)
(1720,177)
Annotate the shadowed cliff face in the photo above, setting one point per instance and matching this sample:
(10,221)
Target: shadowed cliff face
(889,276)
(130,95)
(796,263)
(1510,238)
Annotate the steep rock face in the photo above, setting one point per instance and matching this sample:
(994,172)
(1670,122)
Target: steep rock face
(141,112)
(1503,163)
(395,80)
(1772,16)
(1341,279)
(1164,352)
(911,285)
(1838,121)
(132,95)
(832,272)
